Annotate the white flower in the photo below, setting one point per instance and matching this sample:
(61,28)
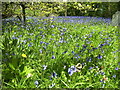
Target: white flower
(29,75)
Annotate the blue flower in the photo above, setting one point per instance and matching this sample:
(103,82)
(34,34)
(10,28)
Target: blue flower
(84,46)
(52,26)
(53,57)
(99,56)
(116,68)
(114,76)
(36,83)
(20,36)
(40,50)
(62,34)
(41,42)
(72,52)
(29,45)
(53,84)
(54,75)
(71,70)
(102,73)
(94,48)
(101,45)
(14,38)
(90,68)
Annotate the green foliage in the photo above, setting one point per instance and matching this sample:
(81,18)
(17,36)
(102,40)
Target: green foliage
(41,9)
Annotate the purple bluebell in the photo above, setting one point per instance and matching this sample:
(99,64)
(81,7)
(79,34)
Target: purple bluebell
(53,56)
(41,42)
(71,70)
(62,34)
(94,48)
(90,67)
(84,46)
(20,36)
(73,52)
(40,50)
(53,34)
(114,76)
(53,84)
(14,38)
(64,52)
(101,45)
(36,83)
(54,75)
(99,56)
(52,26)
(116,68)
(30,45)
(102,73)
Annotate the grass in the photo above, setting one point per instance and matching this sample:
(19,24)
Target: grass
(43,55)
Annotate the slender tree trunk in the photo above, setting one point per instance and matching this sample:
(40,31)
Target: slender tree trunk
(66,8)
(23,12)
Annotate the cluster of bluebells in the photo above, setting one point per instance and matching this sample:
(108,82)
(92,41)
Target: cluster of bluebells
(72,70)
(53,75)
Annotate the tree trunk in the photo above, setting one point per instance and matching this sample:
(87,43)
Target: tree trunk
(23,12)
(66,8)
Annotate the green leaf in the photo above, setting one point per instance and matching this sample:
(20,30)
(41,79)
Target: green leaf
(11,66)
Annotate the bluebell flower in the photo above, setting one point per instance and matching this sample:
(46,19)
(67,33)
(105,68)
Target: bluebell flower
(41,42)
(101,45)
(14,38)
(90,67)
(84,46)
(101,80)
(94,48)
(114,76)
(36,83)
(71,70)
(116,68)
(64,29)
(14,32)
(99,56)
(102,73)
(6,54)
(53,57)
(53,84)
(62,34)
(54,75)
(72,52)
(61,41)
(44,67)
(78,57)
(20,36)
(52,26)
(96,66)
(29,45)
(40,50)
(24,41)
(53,34)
